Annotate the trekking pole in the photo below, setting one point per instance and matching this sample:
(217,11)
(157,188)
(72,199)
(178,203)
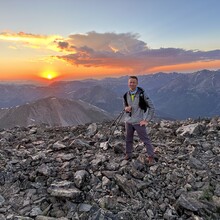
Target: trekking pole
(119,116)
(118,119)
(105,145)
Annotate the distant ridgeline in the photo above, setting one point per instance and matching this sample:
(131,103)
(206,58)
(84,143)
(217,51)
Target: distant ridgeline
(175,95)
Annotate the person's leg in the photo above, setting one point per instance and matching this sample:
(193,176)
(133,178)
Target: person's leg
(142,133)
(129,138)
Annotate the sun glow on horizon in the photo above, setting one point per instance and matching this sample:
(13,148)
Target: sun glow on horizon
(49,74)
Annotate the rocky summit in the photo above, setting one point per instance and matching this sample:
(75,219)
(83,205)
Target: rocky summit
(77,172)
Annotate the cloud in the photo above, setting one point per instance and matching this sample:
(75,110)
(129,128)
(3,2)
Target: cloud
(109,50)
(32,40)
(125,51)
(125,43)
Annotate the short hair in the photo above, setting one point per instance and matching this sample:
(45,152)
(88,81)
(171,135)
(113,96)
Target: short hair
(133,77)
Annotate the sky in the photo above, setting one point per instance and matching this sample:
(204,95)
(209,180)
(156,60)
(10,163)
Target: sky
(76,39)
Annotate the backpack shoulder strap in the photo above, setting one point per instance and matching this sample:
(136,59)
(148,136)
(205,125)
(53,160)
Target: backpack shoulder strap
(125,99)
(142,102)
(141,90)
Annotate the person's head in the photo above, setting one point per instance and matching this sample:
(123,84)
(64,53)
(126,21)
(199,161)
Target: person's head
(132,82)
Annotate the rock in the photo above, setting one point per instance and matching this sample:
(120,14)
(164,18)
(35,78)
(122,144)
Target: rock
(35,212)
(2,200)
(66,189)
(189,203)
(80,144)
(81,177)
(49,173)
(92,129)
(136,173)
(59,146)
(119,147)
(127,186)
(2,217)
(170,214)
(49,218)
(44,169)
(196,163)
(216,201)
(125,215)
(192,129)
(108,202)
(150,214)
(84,207)
(98,160)
(105,182)
(22,218)
(217,190)
(104,145)
(66,157)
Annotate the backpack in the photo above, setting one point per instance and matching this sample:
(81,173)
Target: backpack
(142,102)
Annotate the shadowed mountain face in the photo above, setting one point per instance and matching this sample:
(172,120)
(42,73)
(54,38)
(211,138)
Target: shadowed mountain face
(191,95)
(101,97)
(52,111)
(175,95)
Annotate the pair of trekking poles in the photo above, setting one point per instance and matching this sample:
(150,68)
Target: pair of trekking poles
(115,122)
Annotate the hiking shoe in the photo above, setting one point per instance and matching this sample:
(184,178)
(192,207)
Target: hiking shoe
(127,157)
(151,161)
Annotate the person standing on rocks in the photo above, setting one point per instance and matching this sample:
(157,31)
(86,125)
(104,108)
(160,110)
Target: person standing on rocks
(139,111)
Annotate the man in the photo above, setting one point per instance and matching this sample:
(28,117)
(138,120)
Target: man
(137,118)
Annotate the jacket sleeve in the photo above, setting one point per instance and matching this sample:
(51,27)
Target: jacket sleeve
(149,114)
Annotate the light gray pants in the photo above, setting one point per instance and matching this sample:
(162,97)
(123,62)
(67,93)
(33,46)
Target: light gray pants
(142,134)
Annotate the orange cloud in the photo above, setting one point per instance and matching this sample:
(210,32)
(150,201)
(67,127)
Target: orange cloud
(94,55)
(32,40)
(111,50)
(187,67)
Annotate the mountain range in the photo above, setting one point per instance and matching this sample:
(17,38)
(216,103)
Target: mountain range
(175,95)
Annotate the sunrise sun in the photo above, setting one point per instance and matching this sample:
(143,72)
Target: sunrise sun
(49,75)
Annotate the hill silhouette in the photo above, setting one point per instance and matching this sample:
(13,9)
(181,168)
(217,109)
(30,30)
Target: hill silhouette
(53,112)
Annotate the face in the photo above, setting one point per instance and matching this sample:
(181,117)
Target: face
(132,84)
